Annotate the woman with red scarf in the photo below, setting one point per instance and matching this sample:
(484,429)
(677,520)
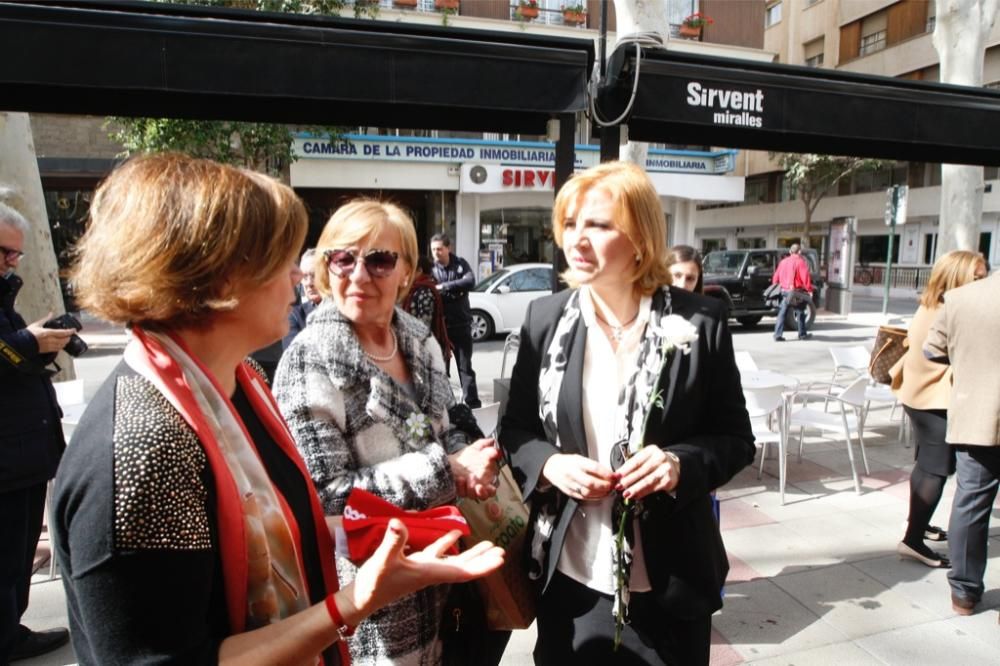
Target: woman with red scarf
(187,526)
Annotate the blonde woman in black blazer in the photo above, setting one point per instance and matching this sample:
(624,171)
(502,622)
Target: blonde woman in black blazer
(624,388)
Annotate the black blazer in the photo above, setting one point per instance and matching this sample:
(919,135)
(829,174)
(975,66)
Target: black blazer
(704,422)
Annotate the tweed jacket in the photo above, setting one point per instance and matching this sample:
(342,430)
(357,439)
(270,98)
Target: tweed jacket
(922,383)
(355,426)
(965,334)
(703,421)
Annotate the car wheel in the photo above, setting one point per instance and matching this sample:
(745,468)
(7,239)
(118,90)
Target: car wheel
(482,326)
(750,320)
(810,317)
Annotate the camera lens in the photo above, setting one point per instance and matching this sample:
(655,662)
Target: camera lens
(76,346)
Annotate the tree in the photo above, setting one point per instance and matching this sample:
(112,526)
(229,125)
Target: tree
(260,146)
(21,189)
(814,176)
(961,28)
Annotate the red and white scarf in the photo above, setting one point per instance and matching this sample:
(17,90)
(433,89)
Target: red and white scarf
(259,538)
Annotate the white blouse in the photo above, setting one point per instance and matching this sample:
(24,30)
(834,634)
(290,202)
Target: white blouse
(588,553)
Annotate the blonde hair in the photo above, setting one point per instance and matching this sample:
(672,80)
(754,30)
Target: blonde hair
(951,270)
(357,220)
(172,239)
(638,214)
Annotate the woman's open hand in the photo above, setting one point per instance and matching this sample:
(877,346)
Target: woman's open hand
(649,470)
(475,469)
(389,574)
(579,477)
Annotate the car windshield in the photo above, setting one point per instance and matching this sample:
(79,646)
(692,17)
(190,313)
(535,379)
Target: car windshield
(725,262)
(491,280)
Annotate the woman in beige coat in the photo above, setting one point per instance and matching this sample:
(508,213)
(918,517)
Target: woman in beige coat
(924,388)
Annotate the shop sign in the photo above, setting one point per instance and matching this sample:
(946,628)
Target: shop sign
(729,106)
(527,154)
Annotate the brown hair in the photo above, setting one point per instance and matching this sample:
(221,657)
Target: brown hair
(638,214)
(680,254)
(951,270)
(357,220)
(173,239)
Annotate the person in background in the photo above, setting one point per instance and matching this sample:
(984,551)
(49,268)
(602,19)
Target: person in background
(964,334)
(924,388)
(365,394)
(796,285)
(625,391)
(186,525)
(31,444)
(686,269)
(424,302)
(310,297)
(455,278)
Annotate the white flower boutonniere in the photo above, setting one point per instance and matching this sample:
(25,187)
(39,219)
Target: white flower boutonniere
(418,429)
(677,333)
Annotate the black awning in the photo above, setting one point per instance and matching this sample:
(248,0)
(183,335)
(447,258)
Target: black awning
(144,59)
(697,100)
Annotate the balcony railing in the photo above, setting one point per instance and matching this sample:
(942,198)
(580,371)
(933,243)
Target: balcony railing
(903,277)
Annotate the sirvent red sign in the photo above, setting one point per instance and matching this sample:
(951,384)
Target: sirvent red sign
(528,177)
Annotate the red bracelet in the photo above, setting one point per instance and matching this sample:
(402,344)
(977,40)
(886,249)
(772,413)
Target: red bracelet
(343,629)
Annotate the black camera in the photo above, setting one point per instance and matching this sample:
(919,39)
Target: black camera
(76,346)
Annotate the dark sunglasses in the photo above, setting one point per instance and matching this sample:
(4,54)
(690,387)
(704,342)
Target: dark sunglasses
(11,254)
(378,263)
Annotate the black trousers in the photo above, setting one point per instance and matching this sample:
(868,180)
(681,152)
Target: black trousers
(576,628)
(461,340)
(21,513)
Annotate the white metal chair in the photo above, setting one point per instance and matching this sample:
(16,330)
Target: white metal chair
(852,360)
(766,408)
(487,417)
(851,417)
(745,362)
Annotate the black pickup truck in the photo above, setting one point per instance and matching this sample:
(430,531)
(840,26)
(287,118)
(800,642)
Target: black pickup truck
(739,277)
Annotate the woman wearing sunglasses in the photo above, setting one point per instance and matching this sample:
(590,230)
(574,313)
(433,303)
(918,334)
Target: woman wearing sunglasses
(187,527)
(625,411)
(365,393)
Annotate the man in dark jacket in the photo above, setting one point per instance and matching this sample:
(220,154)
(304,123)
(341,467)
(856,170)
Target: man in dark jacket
(455,279)
(310,297)
(31,444)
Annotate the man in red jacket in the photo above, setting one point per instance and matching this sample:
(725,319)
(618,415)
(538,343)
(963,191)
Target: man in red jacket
(796,291)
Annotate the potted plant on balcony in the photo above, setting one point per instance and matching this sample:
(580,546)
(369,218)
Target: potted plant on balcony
(446,5)
(574,14)
(527,9)
(692,25)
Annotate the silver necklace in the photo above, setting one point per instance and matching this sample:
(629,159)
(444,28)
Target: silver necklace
(384,359)
(617,332)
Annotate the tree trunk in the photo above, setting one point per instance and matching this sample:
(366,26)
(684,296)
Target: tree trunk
(961,28)
(21,188)
(633,17)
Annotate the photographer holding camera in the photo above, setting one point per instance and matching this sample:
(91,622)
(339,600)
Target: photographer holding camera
(31,444)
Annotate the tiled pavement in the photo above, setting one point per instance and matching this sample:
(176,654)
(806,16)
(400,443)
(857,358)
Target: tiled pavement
(813,582)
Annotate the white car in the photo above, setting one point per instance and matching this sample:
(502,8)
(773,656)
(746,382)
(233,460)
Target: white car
(500,301)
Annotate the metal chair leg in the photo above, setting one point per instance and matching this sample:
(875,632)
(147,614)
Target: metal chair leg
(850,454)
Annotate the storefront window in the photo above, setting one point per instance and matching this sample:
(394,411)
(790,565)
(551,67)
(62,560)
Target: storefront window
(510,236)
(750,243)
(712,244)
(873,249)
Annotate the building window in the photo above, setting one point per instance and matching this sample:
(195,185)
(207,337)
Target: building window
(755,191)
(931,16)
(788,191)
(991,173)
(872,249)
(812,53)
(872,43)
(874,31)
(772,14)
(712,244)
(754,243)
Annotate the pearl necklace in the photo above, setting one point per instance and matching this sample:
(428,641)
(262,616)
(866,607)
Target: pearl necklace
(617,332)
(384,359)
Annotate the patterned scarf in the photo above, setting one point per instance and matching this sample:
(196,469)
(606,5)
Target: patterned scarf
(634,402)
(262,565)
